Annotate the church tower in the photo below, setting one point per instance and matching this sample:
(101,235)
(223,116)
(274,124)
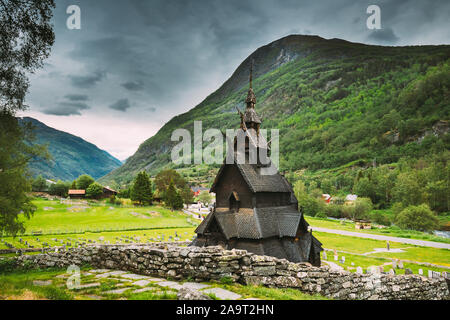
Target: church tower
(255,211)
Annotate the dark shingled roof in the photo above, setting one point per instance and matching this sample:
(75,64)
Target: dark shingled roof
(257,181)
(258,223)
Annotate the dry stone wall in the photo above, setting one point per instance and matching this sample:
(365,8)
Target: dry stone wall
(214,263)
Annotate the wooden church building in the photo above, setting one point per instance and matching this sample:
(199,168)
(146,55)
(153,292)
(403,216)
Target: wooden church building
(254,211)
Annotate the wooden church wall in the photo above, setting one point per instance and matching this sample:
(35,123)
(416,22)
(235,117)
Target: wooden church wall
(272,199)
(232,180)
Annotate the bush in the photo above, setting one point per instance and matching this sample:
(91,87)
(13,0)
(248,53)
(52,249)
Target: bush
(380,218)
(94,191)
(419,218)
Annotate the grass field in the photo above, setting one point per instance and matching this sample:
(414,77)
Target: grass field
(86,223)
(390,231)
(76,217)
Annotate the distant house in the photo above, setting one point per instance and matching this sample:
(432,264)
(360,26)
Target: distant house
(77,194)
(350,199)
(197,190)
(108,192)
(326,197)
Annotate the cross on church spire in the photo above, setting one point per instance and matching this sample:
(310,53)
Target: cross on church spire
(251,98)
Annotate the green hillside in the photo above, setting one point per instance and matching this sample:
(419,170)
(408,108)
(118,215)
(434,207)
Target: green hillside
(71,155)
(337,104)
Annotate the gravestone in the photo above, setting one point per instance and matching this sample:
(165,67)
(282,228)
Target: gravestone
(392,272)
(430,273)
(445,275)
(343,259)
(436,274)
(408,271)
(400,264)
(421,272)
(324,255)
(359,270)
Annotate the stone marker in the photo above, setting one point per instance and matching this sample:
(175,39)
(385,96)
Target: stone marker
(408,271)
(430,273)
(392,272)
(400,264)
(324,255)
(421,272)
(359,270)
(445,274)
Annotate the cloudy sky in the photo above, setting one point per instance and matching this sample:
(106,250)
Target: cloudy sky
(134,64)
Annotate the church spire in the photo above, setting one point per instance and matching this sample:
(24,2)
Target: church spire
(251,98)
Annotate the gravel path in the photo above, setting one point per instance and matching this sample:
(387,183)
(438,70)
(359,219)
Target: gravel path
(416,242)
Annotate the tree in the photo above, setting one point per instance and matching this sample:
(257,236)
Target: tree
(94,191)
(164,177)
(361,208)
(187,194)
(141,191)
(39,184)
(407,189)
(26,36)
(59,188)
(73,186)
(172,197)
(16,151)
(364,188)
(84,181)
(419,218)
(204,197)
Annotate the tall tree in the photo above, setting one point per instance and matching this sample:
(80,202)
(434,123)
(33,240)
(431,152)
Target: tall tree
(84,181)
(39,184)
(141,190)
(26,36)
(163,179)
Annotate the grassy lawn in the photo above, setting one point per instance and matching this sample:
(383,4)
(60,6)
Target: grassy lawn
(19,286)
(372,260)
(391,231)
(55,217)
(359,246)
(136,236)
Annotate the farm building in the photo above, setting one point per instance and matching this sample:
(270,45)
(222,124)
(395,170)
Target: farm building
(198,190)
(254,210)
(77,194)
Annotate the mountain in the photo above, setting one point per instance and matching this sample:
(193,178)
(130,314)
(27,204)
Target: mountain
(336,104)
(71,155)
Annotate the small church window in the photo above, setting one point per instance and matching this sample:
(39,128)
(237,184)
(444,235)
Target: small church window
(234,201)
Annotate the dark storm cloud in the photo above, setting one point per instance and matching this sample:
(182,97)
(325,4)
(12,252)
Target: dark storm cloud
(133,85)
(87,81)
(172,54)
(383,36)
(67,109)
(76,97)
(121,105)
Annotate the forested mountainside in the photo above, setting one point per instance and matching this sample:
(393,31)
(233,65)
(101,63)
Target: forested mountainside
(71,156)
(337,104)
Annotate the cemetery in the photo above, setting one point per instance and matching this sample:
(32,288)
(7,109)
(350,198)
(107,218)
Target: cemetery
(170,266)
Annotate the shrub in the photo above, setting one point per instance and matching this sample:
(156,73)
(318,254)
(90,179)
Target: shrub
(419,218)
(94,191)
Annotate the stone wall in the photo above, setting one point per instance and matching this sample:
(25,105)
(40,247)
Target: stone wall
(214,263)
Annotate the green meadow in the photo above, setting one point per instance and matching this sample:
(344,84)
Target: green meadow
(99,222)
(82,216)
